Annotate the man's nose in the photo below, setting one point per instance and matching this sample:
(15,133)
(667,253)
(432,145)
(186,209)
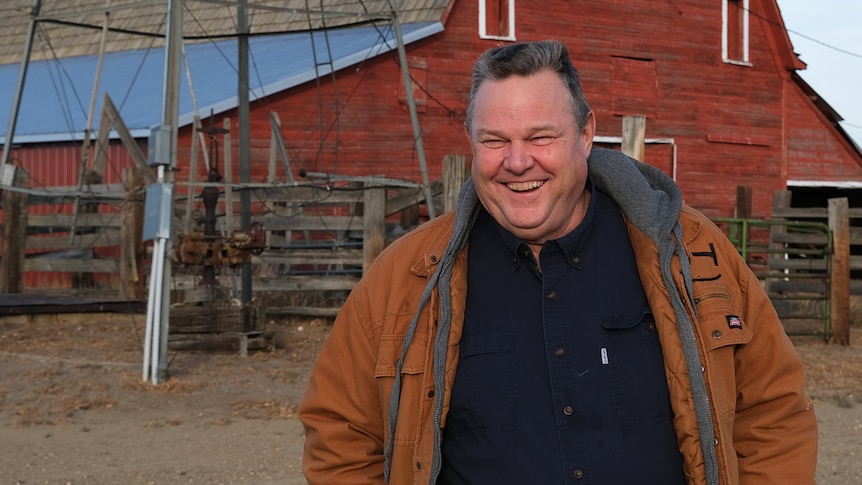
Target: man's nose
(519,158)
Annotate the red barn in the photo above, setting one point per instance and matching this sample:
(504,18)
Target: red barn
(717,82)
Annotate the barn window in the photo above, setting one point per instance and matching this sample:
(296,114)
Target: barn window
(734,38)
(497,19)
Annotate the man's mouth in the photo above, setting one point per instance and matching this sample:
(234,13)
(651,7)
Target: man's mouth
(525,186)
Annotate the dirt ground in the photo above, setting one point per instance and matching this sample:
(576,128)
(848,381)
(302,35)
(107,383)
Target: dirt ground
(73,408)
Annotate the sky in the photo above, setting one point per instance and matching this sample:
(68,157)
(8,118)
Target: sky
(827,35)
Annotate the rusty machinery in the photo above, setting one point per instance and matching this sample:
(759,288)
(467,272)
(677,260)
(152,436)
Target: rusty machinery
(208,248)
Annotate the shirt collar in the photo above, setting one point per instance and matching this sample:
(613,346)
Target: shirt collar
(571,244)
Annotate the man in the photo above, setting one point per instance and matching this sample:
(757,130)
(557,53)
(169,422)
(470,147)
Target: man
(572,322)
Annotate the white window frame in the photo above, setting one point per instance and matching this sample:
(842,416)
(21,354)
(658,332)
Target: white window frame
(725,33)
(483,31)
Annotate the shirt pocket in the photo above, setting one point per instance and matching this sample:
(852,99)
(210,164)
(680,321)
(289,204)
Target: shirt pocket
(485,394)
(636,367)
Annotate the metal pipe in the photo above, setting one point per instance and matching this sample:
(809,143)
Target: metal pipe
(411,104)
(22,76)
(244,137)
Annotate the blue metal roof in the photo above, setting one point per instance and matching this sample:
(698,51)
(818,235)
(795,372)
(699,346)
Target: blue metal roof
(56,97)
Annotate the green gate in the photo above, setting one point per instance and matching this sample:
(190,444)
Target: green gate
(793,259)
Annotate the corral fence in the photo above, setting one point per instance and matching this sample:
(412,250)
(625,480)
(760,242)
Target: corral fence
(317,237)
(802,255)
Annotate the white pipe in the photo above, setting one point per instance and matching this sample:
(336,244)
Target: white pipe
(145,375)
(159,263)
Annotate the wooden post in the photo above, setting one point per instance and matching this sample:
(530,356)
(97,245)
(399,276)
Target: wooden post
(373,224)
(193,177)
(131,235)
(839,223)
(228,179)
(454,175)
(780,200)
(14,234)
(634,134)
(743,202)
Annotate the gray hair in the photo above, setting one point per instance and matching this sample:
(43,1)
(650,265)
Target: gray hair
(526,59)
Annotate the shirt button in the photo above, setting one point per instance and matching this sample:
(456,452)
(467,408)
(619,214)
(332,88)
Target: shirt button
(579,473)
(716,334)
(559,351)
(576,260)
(552,295)
(568,410)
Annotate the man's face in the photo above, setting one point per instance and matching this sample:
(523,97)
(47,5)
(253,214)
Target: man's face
(529,157)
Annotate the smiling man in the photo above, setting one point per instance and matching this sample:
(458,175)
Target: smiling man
(572,322)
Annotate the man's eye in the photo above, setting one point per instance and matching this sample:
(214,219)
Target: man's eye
(542,140)
(493,143)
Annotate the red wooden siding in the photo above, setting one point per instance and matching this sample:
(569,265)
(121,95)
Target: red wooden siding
(731,124)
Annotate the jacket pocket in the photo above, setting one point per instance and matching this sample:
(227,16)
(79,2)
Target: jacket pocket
(720,320)
(722,330)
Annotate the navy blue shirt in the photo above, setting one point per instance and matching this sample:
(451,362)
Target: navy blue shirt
(561,377)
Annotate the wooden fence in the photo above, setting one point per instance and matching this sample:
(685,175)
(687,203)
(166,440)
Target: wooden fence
(803,255)
(319,235)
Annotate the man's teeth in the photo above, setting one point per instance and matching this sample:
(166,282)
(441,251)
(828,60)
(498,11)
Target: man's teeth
(524,186)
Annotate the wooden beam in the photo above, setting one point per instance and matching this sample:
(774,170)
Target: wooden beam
(839,223)
(64,221)
(634,134)
(373,222)
(14,235)
(131,235)
(454,175)
(743,202)
(106,237)
(71,265)
(128,140)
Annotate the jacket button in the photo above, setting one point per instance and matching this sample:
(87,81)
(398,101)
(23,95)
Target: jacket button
(559,352)
(576,260)
(579,473)
(418,465)
(552,295)
(431,393)
(716,334)
(568,410)
(433,259)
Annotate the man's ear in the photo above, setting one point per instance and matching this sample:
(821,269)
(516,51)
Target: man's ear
(589,132)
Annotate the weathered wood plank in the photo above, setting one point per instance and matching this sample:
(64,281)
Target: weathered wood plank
(107,237)
(311,223)
(839,223)
(312,257)
(308,311)
(71,265)
(14,235)
(306,283)
(809,213)
(64,221)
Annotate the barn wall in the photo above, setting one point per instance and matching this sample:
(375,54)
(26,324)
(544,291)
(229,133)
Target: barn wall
(812,154)
(728,121)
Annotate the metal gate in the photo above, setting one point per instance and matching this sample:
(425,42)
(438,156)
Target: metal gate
(793,259)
